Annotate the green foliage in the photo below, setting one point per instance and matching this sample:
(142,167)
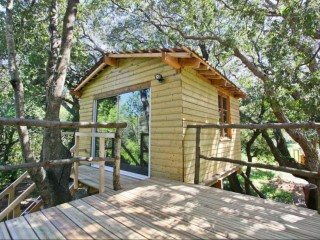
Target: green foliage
(276,194)
(8,177)
(262,175)
(260,179)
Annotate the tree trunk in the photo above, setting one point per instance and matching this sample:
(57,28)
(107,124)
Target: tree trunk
(52,183)
(145,104)
(52,147)
(310,196)
(37,174)
(249,144)
(234,183)
(311,154)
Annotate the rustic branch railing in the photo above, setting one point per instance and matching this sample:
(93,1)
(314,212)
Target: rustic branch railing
(310,125)
(14,204)
(57,124)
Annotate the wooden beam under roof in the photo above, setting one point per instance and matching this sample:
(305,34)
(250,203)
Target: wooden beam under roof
(202,67)
(78,94)
(90,76)
(218,81)
(172,61)
(208,72)
(189,62)
(110,61)
(150,55)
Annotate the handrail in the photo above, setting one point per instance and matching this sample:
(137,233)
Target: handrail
(57,124)
(10,191)
(310,125)
(13,185)
(102,138)
(55,162)
(17,201)
(13,203)
(307,125)
(198,156)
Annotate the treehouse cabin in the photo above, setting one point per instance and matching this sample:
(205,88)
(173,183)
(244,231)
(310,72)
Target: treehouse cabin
(158,93)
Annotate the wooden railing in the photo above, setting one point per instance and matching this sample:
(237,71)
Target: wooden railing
(305,173)
(116,160)
(13,208)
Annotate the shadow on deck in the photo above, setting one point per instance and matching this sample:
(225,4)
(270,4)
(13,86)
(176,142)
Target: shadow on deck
(158,208)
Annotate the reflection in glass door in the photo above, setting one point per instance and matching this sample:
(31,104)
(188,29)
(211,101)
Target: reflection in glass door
(134,109)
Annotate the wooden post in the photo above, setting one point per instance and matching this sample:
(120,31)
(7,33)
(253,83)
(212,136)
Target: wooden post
(10,200)
(17,211)
(318,195)
(197,160)
(116,165)
(76,164)
(102,153)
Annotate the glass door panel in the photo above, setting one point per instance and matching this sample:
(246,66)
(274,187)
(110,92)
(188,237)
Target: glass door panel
(132,108)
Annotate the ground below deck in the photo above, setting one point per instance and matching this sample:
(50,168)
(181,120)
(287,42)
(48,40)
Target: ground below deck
(163,209)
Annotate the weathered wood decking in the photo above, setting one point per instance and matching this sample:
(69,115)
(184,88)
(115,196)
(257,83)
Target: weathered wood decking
(158,208)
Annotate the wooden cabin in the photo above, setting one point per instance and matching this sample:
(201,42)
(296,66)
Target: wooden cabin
(159,93)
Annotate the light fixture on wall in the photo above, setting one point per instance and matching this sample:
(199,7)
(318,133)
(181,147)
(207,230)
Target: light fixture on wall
(159,77)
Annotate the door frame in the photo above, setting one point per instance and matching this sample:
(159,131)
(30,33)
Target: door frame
(110,169)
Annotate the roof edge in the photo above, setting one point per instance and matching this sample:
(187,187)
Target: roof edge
(171,57)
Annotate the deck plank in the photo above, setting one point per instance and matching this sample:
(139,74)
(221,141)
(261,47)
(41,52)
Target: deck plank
(89,176)
(190,189)
(206,218)
(87,224)
(105,221)
(303,225)
(138,224)
(4,234)
(223,201)
(65,226)
(164,209)
(20,229)
(177,227)
(240,226)
(43,227)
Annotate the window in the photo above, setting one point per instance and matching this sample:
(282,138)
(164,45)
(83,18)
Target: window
(224,114)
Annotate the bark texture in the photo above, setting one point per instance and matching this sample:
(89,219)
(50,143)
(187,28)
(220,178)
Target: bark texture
(234,183)
(52,183)
(58,62)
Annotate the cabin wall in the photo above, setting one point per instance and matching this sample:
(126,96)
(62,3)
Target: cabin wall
(200,105)
(166,109)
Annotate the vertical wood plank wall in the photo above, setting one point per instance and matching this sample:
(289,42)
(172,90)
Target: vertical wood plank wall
(200,105)
(166,109)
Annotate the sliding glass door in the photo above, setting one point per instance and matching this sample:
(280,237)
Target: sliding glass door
(132,108)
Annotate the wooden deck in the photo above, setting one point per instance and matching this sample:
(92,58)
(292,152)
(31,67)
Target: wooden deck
(163,209)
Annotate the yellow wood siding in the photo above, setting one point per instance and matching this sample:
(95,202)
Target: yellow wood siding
(182,99)
(166,109)
(200,105)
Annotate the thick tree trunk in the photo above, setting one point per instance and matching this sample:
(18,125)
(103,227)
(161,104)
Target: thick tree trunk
(234,183)
(52,147)
(52,183)
(37,174)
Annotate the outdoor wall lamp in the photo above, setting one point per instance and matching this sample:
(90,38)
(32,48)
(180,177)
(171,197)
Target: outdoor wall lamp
(159,77)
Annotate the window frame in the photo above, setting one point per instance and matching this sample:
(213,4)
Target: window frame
(224,113)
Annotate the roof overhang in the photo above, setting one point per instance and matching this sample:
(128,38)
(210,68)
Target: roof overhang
(175,57)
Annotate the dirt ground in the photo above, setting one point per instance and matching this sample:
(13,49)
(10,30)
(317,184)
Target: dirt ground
(293,185)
